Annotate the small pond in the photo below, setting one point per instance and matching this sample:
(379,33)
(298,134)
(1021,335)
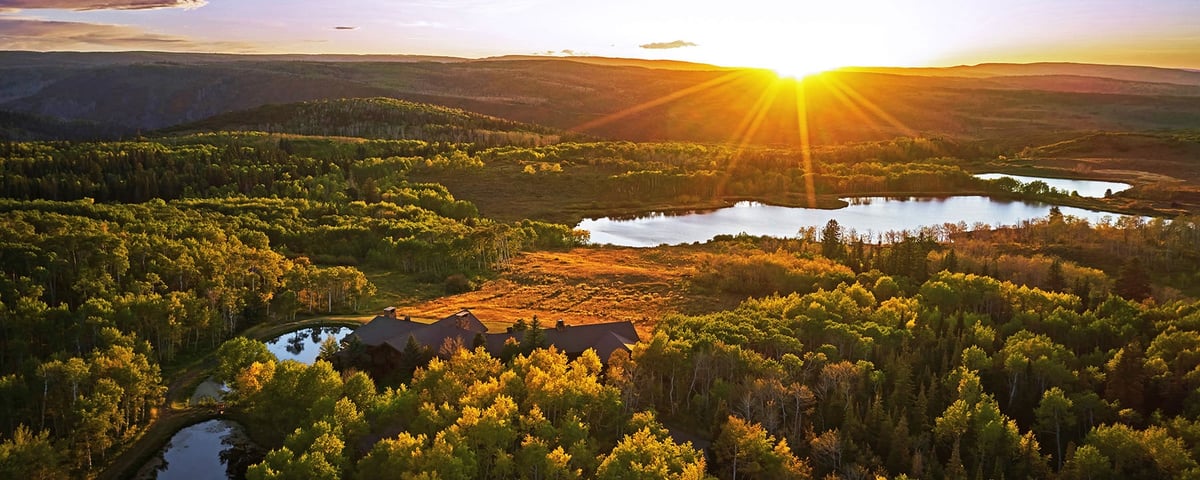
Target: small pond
(219,449)
(215,449)
(865,215)
(1085,188)
(305,344)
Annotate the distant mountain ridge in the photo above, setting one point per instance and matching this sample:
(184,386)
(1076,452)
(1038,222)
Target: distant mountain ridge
(616,98)
(31,58)
(614,62)
(1115,72)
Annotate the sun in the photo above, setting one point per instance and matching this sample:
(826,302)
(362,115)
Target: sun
(799,68)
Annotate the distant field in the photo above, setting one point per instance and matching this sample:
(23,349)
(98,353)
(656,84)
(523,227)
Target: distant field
(585,285)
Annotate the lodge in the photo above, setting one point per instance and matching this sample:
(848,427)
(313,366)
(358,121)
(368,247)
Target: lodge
(388,335)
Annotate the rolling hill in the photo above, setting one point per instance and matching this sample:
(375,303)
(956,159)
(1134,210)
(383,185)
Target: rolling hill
(984,70)
(1005,105)
(378,118)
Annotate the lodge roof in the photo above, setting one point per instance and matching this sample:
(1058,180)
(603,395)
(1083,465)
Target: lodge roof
(464,326)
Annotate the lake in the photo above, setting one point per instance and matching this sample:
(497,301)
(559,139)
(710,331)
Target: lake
(1085,188)
(866,215)
(215,449)
(303,345)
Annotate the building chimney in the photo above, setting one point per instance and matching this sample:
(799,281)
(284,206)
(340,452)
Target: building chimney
(390,312)
(560,325)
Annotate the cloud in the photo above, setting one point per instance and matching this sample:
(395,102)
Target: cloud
(566,52)
(344,27)
(37,34)
(6,5)
(666,45)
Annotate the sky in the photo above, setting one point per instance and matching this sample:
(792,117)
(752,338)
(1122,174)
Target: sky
(791,36)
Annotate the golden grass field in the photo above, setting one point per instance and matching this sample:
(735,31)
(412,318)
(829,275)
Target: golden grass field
(582,286)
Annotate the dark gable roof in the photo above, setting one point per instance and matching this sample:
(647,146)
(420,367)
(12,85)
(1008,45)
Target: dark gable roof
(432,337)
(463,320)
(496,342)
(610,343)
(577,338)
(381,329)
(435,335)
(605,338)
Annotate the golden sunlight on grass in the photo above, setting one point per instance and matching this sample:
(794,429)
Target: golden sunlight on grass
(586,286)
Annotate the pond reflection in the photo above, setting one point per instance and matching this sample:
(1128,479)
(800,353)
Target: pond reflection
(304,345)
(215,449)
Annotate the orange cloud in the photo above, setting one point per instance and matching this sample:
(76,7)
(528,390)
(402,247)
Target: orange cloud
(99,4)
(667,45)
(36,34)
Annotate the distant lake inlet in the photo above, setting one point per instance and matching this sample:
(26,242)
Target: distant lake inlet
(1085,188)
(864,215)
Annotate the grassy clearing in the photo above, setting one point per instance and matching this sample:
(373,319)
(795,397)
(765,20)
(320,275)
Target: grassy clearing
(395,288)
(585,285)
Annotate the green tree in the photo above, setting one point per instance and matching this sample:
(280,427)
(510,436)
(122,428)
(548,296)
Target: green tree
(1133,282)
(1054,415)
(1125,378)
(745,450)
(31,457)
(1054,277)
(238,353)
(950,261)
(831,241)
(534,338)
(1134,454)
(645,455)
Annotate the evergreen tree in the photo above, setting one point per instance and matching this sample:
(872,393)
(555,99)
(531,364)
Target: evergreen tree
(1054,277)
(950,261)
(831,241)
(414,355)
(534,337)
(1133,282)
(1125,382)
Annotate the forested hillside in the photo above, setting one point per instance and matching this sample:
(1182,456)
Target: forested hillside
(640,101)
(382,118)
(167,249)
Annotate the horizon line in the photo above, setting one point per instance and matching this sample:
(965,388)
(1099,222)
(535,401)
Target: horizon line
(534,56)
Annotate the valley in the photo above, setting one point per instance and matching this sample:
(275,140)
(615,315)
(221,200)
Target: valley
(161,214)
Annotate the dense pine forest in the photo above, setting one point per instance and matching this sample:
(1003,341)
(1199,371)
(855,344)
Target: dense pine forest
(1056,348)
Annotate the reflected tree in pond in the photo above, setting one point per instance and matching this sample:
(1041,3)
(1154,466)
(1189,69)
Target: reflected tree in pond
(240,453)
